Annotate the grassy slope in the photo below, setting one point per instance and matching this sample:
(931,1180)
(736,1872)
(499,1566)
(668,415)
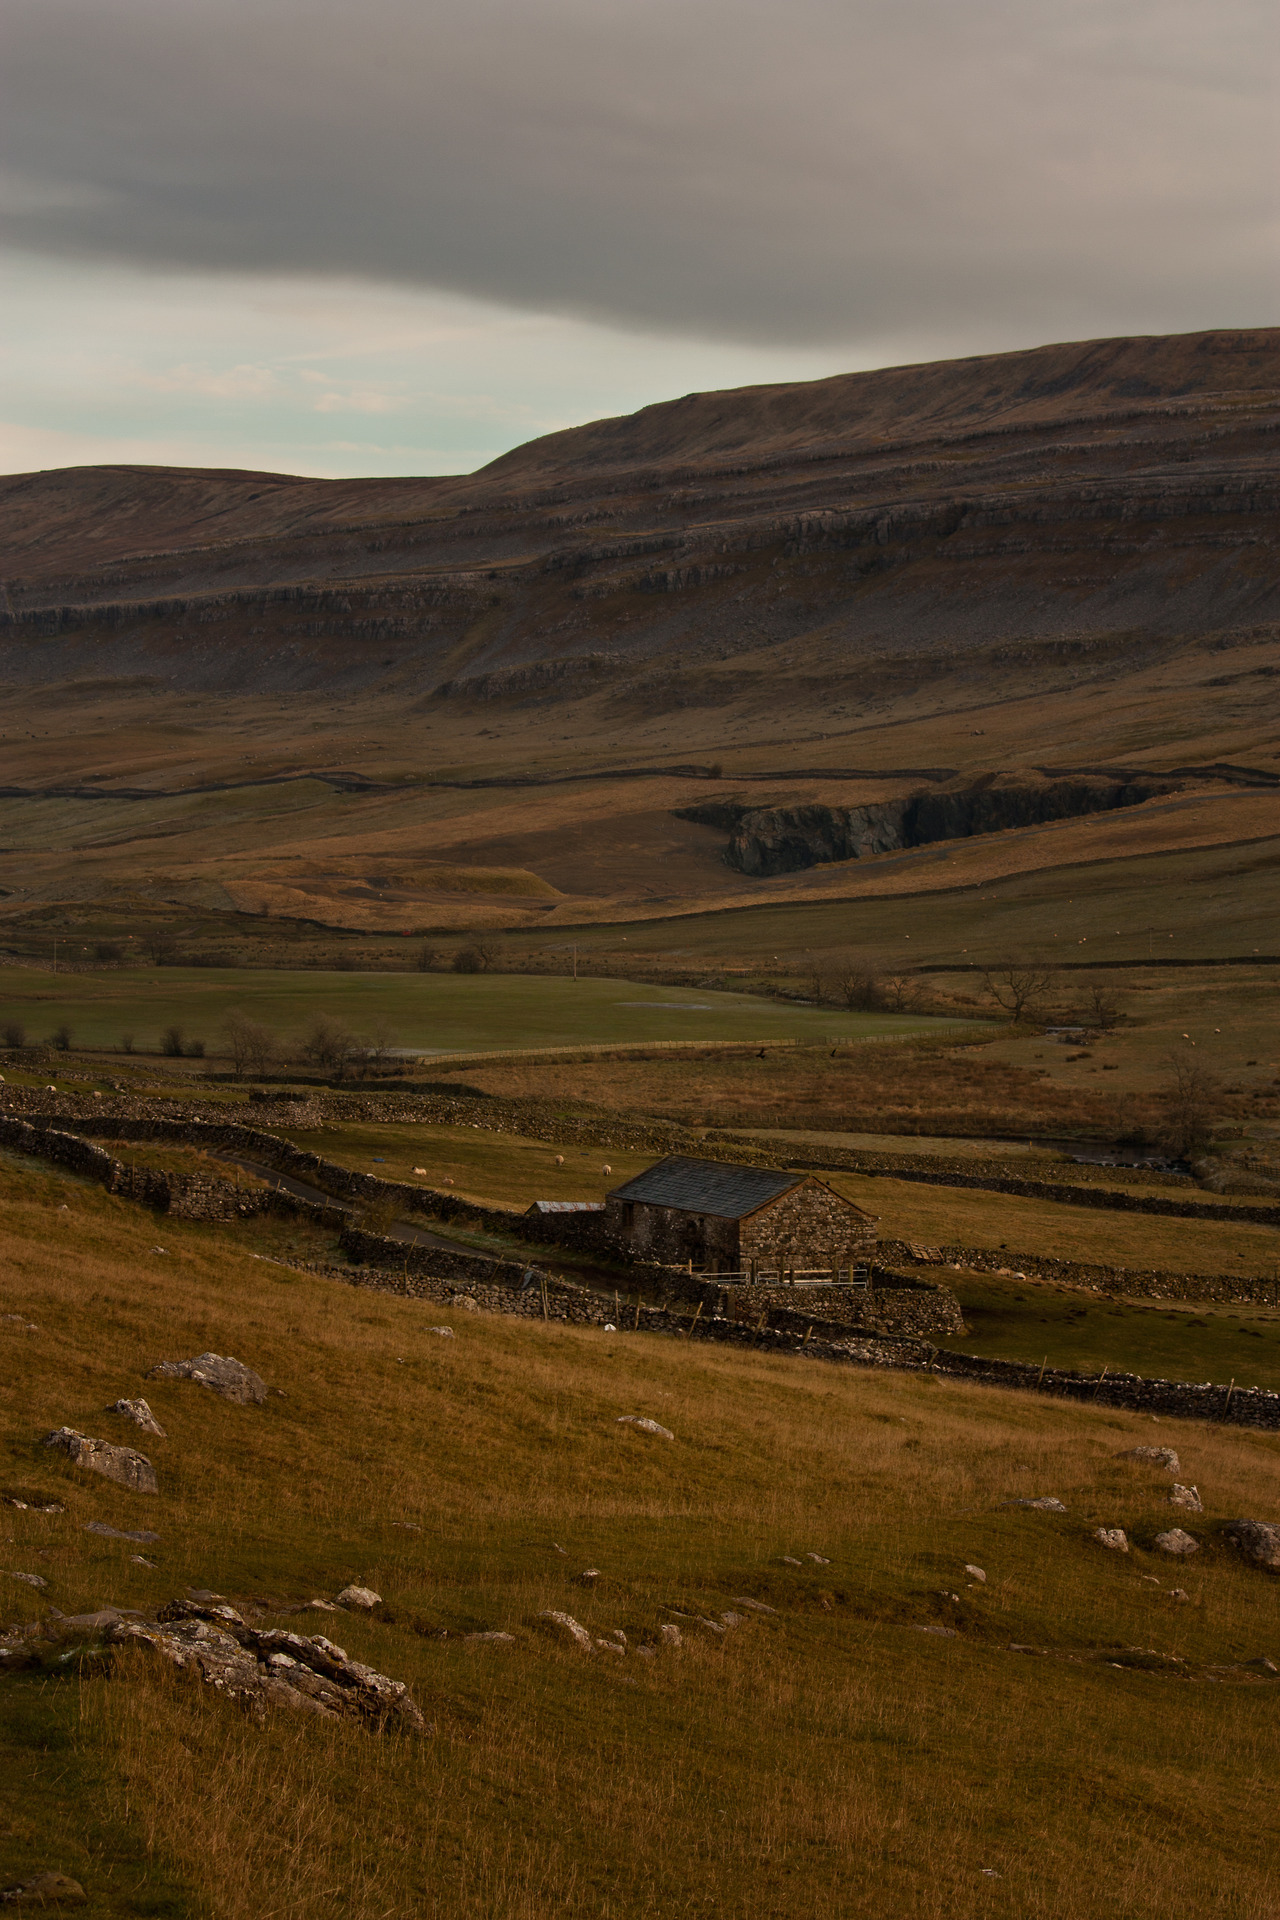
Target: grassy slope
(454,1012)
(829,1760)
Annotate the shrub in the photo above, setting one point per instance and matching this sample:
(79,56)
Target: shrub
(14,1034)
(61,1038)
(171,1044)
(107,951)
(467,960)
(195,1049)
(126,1042)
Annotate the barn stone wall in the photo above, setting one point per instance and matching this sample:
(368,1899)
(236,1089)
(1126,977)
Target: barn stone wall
(811,1226)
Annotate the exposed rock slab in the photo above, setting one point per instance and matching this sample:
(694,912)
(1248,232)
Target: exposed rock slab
(1176,1542)
(265,1668)
(121,1464)
(228,1378)
(644,1425)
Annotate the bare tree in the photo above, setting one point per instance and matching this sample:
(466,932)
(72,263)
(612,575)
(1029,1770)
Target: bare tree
(467,960)
(1103,1008)
(326,1043)
(171,1044)
(161,946)
(427,960)
(1017,989)
(14,1035)
(486,951)
(1191,1099)
(249,1043)
(898,993)
(861,992)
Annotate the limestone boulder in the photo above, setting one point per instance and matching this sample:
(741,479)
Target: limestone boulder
(121,1464)
(228,1378)
(363,1599)
(1154,1457)
(1175,1541)
(1257,1540)
(643,1424)
(1113,1537)
(1187,1497)
(568,1631)
(140,1413)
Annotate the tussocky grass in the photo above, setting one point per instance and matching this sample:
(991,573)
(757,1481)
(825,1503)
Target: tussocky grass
(826,1759)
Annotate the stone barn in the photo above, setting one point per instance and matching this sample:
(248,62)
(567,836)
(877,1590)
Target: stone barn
(755,1221)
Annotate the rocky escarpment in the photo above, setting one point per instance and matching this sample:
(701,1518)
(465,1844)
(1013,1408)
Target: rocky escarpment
(768,840)
(1071,507)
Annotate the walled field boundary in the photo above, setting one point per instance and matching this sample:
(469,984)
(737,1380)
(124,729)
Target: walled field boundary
(847,1160)
(578,1232)
(512,1287)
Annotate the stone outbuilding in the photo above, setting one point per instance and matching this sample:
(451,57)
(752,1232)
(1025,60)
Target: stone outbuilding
(756,1221)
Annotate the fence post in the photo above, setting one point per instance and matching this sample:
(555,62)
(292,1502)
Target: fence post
(693,1323)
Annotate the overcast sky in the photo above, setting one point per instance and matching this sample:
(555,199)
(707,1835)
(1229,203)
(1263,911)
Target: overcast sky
(374,236)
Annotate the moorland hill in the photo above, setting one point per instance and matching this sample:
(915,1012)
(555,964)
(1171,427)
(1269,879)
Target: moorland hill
(1034,565)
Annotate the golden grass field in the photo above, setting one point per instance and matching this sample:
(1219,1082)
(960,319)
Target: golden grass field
(829,1759)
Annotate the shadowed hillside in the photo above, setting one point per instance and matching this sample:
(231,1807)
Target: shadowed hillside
(1061,560)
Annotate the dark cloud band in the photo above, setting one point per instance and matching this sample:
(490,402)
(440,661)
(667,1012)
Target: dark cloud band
(818,171)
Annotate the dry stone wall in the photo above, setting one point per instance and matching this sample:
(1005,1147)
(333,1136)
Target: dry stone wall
(1143,1283)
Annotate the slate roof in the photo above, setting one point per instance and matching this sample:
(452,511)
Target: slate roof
(707,1186)
(566,1206)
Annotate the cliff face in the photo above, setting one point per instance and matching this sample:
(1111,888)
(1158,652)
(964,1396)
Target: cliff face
(769,840)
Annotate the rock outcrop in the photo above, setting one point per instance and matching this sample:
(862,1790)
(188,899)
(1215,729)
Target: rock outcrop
(769,840)
(230,1379)
(121,1464)
(1257,1540)
(269,1667)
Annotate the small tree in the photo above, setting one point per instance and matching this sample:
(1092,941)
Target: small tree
(467,960)
(107,952)
(486,952)
(1191,1098)
(427,959)
(195,1049)
(61,1038)
(161,946)
(126,1042)
(1017,989)
(15,1034)
(171,1043)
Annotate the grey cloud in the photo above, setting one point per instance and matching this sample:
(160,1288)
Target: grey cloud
(787,173)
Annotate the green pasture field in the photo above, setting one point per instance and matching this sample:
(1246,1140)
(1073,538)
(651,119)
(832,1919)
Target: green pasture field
(1058,1231)
(496,1169)
(441,1011)
(828,1759)
(1022,1320)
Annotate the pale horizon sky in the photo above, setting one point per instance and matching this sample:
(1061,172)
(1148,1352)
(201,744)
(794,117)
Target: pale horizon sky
(310,237)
